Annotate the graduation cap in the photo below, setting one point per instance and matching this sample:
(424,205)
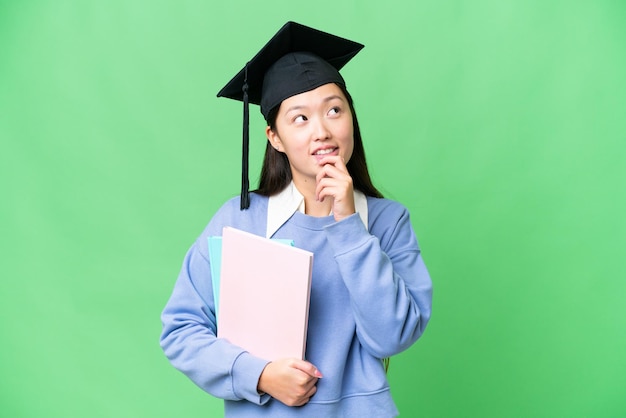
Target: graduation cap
(297,59)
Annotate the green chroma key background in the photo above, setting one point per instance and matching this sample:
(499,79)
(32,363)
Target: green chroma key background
(500,124)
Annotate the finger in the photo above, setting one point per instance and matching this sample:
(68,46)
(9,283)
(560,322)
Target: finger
(334,160)
(307,397)
(307,368)
(339,188)
(308,394)
(325,189)
(330,176)
(332,171)
(326,186)
(333,166)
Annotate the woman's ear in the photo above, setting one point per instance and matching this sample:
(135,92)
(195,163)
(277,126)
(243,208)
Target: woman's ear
(273,139)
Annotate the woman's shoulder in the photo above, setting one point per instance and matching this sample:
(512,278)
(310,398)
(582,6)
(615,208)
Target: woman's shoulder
(390,221)
(230,214)
(252,220)
(379,205)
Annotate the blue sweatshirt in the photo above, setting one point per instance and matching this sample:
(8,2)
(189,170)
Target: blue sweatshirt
(370,299)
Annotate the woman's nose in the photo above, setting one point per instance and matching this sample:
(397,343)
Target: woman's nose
(321,131)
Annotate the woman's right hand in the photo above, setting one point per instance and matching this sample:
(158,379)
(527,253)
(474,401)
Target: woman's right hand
(289,380)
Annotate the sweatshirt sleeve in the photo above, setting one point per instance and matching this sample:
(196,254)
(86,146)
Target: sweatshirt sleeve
(189,337)
(389,286)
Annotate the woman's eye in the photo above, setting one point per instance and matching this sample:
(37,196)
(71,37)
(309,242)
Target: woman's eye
(334,111)
(300,118)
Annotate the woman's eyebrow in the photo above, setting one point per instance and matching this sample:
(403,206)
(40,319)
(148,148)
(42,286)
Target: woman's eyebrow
(295,107)
(325,100)
(333,97)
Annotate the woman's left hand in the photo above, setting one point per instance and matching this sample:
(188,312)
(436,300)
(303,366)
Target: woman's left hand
(334,181)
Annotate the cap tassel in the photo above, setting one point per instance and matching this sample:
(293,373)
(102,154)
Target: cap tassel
(245,195)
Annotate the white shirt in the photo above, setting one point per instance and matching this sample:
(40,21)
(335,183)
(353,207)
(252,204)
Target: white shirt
(284,204)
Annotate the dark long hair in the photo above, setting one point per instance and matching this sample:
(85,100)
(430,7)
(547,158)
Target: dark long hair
(276,171)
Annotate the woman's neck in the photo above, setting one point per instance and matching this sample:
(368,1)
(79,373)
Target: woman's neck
(318,209)
(312,206)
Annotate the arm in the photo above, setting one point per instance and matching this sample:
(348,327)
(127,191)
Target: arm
(390,288)
(189,337)
(218,367)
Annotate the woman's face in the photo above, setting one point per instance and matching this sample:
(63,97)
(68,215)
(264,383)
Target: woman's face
(311,125)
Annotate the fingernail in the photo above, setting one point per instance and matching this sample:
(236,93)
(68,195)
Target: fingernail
(318,374)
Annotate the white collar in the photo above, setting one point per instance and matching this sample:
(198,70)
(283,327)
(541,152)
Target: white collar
(284,204)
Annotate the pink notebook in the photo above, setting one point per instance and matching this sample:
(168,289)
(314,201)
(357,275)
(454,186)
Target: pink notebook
(264,295)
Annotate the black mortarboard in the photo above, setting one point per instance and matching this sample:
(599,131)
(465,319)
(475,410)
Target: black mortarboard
(297,59)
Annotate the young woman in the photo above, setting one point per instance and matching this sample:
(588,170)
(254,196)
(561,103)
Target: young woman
(371,293)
